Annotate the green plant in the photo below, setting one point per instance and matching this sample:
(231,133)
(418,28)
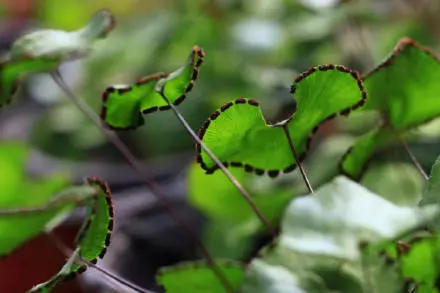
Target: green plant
(341,238)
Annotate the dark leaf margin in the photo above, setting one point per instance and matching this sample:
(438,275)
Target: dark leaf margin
(106,190)
(197,57)
(252,102)
(401,45)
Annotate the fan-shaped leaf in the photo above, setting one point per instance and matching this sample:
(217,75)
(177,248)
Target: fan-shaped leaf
(239,136)
(321,236)
(92,240)
(197,277)
(123,105)
(44,50)
(404,89)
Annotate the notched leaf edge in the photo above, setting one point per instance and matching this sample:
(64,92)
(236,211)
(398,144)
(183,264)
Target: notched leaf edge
(298,79)
(401,45)
(106,190)
(196,60)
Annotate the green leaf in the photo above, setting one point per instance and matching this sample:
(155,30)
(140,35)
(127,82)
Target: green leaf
(50,44)
(355,161)
(44,50)
(11,73)
(399,84)
(93,238)
(233,224)
(400,183)
(123,105)
(431,195)
(239,136)
(225,202)
(198,277)
(353,214)
(274,278)
(66,271)
(321,236)
(18,191)
(404,89)
(420,264)
(378,275)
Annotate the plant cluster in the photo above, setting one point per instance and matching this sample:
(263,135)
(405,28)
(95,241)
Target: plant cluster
(341,237)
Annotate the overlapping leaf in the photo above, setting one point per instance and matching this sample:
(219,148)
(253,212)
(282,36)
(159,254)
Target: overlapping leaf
(93,239)
(420,265)
(431,194)
(404,89)
(232,223)
(400,183)
(44,50)
(320,243)
(198,277)
(124,105)
(18,191)
(239,136)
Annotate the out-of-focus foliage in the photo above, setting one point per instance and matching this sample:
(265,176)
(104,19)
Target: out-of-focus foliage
(45,50)
(331,241)
(397,94)
(20,191)
(92,240)
(198,277)
(255,49)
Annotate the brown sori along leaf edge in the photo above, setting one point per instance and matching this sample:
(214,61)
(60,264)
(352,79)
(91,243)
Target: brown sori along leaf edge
(196,52)
(402,44)
(252,102)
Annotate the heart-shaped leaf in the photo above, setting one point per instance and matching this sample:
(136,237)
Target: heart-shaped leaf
(404,89)
(93,238)
(320,242)
(44,50)
(124,105)
(198,277)
(239,136)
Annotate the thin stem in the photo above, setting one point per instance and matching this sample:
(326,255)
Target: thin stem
(145,176)
(68,252)
(57,201)
(412,157)
(225,170)
(298,163)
